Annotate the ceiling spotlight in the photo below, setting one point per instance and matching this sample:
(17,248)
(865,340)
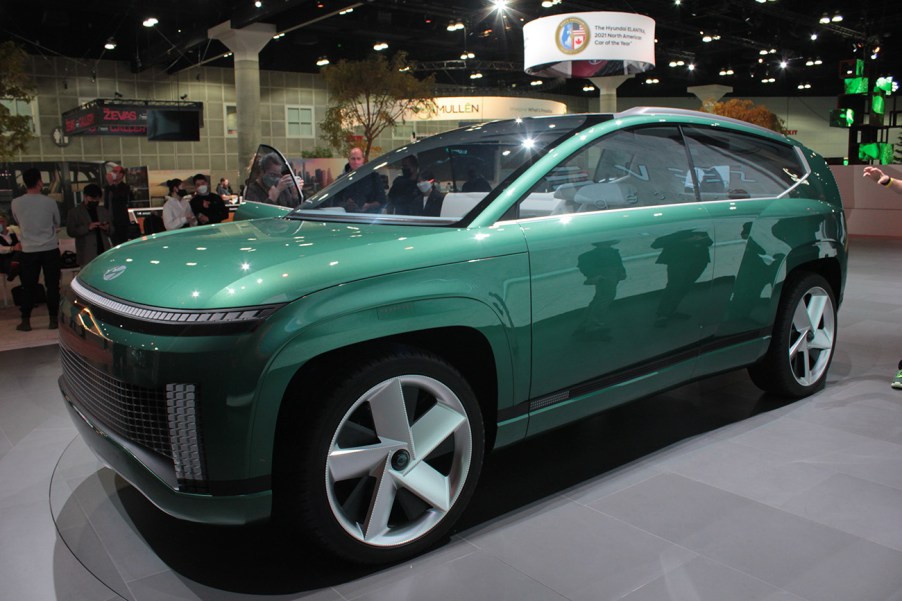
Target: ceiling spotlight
(380,46)
(652,81)
(536,82)
(150,22)
(727,71)
(804,86)
(691,66)
(110,44)
(466,55)
(258,4)
(836,18)
(707,38)
(322,62)
(813,36)
(824,19)
(783,64)
(279,36)
(500,4)
(455,26)
(345,11)
(768,80)
(676,63)
(588,88)
(476,75)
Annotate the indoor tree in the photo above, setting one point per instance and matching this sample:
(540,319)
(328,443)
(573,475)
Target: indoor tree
(15,85)
(748,111)
(370,95)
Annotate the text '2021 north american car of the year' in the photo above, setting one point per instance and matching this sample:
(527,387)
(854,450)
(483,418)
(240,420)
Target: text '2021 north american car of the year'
(346,365)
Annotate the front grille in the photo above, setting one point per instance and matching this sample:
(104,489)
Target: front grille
(135,413)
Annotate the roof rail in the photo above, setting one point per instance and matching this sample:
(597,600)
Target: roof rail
(660,110)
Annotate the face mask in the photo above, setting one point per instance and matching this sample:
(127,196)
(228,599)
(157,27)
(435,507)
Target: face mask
(202,190)
(182,193)
(424,186)
(270,180)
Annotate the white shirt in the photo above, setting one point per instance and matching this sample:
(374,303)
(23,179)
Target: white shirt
(177,212)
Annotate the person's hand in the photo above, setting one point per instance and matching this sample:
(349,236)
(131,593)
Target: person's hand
(105,225)
(351,206)
(368,206)
(17,246)
(203,218)
(873,172)
(93,225)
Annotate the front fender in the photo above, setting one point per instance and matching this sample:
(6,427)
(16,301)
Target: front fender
(489,296)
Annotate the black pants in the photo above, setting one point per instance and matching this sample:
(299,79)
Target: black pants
(30,269)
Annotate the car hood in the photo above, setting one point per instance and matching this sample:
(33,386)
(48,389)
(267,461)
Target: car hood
(264,261)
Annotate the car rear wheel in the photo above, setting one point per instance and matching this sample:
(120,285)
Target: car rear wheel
(390,460)
(803,341)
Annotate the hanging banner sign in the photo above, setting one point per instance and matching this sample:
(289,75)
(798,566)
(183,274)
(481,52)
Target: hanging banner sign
(595,44)
(116,117)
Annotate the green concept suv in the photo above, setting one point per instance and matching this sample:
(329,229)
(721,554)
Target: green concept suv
(346,364)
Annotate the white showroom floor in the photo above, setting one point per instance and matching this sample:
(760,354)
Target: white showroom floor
(710,492)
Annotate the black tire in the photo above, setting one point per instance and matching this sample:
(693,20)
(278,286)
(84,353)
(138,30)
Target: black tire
(803,340)
(387,460)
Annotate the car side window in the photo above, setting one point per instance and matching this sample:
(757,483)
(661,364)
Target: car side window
(644,166)
(733,165)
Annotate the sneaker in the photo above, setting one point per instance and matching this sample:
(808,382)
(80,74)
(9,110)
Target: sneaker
(25,326)
(897,381)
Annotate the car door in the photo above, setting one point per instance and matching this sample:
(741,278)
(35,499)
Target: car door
(620,272)
(753,187)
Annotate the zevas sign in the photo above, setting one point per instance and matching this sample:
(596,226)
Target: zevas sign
(115,117)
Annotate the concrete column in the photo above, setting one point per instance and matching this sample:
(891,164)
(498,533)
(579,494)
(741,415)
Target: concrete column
(246,45)
(607,87)
(709,94)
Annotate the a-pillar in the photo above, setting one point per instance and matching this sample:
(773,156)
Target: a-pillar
(246,44)
(607,87)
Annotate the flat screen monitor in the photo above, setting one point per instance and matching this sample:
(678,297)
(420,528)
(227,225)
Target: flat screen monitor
(173,125)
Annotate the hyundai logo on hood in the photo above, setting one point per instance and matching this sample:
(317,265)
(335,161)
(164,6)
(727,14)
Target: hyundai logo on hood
(114,272)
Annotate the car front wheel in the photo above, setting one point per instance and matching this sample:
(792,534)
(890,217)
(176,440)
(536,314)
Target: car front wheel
(804,338)
(391,458)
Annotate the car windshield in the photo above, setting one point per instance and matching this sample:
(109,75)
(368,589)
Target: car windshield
(440,179)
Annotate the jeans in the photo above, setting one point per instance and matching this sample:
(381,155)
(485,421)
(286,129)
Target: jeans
(30,270)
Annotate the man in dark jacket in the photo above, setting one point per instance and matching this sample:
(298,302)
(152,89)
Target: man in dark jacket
(208,207)
(117,200)
(89,224)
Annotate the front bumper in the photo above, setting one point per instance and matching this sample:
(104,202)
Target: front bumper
(140,468)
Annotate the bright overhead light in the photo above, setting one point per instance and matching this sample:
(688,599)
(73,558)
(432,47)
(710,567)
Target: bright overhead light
(322,62)
(691,67)
(466,55)
(258,4)
(476,75)
(110,44)
(150,22)
(536,82)
(824,19)
(588,88)
(652,81)
(455,26)
(836,18)
(345,11)
(380,46)
(500,4)
(279,36)
(813,36)
(783,64)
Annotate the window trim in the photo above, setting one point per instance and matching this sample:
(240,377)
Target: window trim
(299,108)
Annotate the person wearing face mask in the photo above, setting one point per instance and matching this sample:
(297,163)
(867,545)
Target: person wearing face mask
(10,249)
(89,224)
(403,196)
(177,208)
(430,201)
(206,206)
(272,186)
(117,198)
